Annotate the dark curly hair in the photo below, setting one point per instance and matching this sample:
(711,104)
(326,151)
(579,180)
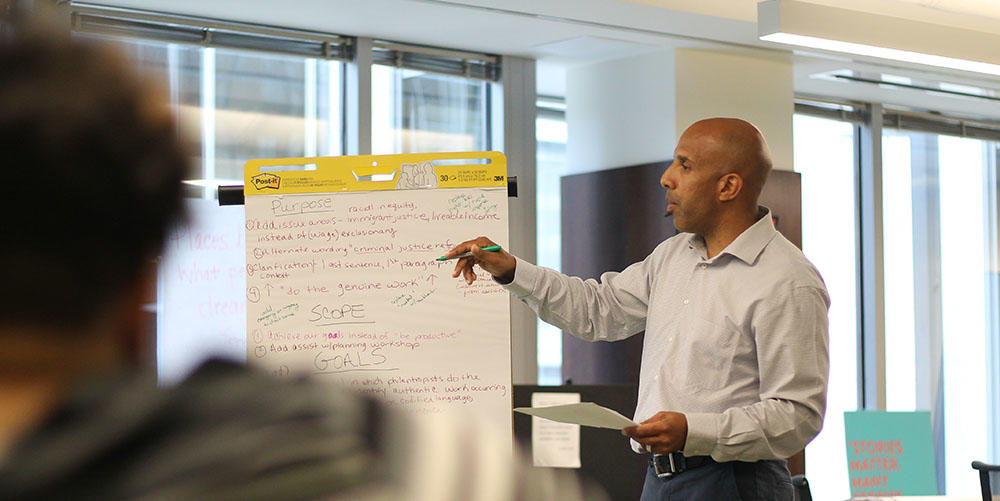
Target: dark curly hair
(90,171)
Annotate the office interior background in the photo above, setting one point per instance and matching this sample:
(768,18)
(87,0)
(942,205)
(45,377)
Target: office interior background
(898,161)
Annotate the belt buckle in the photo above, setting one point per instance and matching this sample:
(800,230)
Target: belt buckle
(668,465)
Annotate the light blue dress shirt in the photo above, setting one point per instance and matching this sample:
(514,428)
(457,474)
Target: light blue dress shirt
(737,342)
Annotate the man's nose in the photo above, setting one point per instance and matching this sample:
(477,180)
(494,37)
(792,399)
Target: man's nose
(666,180)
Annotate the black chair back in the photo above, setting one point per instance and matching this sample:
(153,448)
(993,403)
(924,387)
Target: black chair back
(989,480)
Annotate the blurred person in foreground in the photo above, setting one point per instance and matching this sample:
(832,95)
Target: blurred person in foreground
(92,170)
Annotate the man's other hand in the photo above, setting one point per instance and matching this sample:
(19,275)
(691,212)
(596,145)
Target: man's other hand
(500,264)
(663,433)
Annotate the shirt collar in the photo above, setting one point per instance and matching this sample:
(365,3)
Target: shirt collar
(750,243)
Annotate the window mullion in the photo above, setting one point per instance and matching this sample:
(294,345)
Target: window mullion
(208,119)
(872,291)
(358,100)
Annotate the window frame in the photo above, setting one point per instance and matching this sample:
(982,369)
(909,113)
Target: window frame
(870,119)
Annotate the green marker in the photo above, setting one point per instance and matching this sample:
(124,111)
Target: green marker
(488,248)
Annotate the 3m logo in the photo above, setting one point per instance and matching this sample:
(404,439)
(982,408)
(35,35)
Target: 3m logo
(266,180)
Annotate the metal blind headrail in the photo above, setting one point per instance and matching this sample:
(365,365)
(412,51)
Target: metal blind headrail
(119,22)
(941,124)
(443,61)
(907,120)
(829,109)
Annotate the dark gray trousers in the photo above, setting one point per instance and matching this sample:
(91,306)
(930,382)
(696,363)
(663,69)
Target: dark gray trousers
(737,481)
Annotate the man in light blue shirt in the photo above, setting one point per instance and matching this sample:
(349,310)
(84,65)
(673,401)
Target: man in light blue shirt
(735,356)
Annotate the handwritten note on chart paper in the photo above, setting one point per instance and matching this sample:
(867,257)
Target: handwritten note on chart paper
(343,282)
(201,284)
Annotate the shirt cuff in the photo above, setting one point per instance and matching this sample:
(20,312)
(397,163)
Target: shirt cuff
(525,278)
(703,434)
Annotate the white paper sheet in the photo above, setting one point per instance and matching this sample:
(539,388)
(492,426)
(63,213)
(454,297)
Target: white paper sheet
(553,444)
(584,413)
(353,293)
(202,291)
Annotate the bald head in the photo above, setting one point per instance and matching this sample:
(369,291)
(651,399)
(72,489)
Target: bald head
(738,147)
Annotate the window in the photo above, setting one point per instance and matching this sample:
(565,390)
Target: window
(240,91)
(824,156)
(939,242)
(418,111)
(270,106)
(177,69)
(237,105)
(427,99)
(234,105)
(940,220)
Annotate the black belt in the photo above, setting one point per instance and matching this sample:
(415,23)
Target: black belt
(668,465)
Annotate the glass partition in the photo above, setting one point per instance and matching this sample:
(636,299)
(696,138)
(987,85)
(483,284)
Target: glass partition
(940,221)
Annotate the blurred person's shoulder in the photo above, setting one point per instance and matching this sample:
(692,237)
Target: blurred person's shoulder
(225,432)
(228,432)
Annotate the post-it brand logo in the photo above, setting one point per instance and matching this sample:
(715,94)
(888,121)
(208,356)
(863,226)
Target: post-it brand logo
(266,180)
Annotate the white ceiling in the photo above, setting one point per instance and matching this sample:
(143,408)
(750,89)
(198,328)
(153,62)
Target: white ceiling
(949,12)
(984,8)
(563,33)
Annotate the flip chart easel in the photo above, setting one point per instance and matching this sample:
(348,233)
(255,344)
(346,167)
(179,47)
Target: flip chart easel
(343,282)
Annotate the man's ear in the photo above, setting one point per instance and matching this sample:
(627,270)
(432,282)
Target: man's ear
(730,186)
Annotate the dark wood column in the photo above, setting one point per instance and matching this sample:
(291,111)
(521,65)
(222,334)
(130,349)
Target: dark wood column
(610,219)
